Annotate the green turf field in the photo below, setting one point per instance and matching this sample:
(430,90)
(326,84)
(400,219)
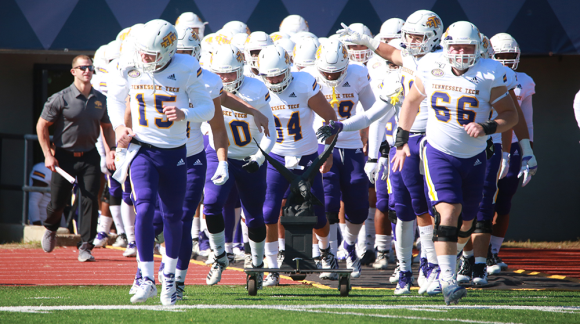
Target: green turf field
(286,304)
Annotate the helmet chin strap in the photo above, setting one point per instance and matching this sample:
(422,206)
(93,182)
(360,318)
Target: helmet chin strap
(334,102)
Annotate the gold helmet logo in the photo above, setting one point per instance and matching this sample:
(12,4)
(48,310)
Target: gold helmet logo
(276,37)
(318,51)
(239,57)
(194,35)
(433,22)
(287,57)
(344,51)
(169,39)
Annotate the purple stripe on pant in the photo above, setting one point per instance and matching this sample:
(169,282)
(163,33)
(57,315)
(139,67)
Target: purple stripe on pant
(403,204)
(277,185)
(115,189)
(508,186)
(158,172)
(456,180)
(251,188)
(347,178)
(487,206)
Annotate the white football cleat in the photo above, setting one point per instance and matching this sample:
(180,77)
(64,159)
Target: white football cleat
(218,266)
(135,287)
(131,250)
(355,265)
(168,290)
(328,261)
(272,279)
(101,239)
(146,290)
(382,261)
(452,292)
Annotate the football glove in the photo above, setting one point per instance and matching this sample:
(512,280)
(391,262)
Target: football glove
(324,132)
(371,169)
(505,165)
(349,35)
(254,162)
(529,163)
(221,175)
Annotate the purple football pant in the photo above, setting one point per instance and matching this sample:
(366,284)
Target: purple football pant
(507,187)
(382,189)
(251,189)
(403,204)
(413,180)
(277,186)
(487,206)
(229,213)
(160,172)
(454,180)
(347,177)
(115,189)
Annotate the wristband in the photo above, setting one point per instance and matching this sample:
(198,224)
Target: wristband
(384,149)
(489,127)
(402,137)
(372,160)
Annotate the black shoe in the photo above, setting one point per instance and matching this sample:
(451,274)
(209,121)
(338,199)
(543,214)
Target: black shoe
(465,270)
(368,258)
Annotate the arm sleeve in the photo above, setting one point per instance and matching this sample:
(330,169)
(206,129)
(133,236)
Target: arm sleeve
(364,120)
(203,108)
(267,143)
(577,108)
(116,98)
(376,136)
(367,97)
(528,114)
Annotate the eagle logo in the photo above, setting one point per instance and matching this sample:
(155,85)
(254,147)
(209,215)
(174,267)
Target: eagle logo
(287,57)
(194,35)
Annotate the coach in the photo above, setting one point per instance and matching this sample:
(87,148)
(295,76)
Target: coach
(77,113)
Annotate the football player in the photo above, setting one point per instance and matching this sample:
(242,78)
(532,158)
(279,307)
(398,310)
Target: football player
(359,53)
(191,20)
(161,87)
(296,98)
(293,24)
(254,44)
(344,85)
(304,53)
(454,158)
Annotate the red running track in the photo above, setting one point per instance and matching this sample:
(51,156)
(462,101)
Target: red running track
(29,267)
(549,261)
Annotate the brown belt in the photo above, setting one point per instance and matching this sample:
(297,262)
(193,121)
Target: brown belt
(78,154)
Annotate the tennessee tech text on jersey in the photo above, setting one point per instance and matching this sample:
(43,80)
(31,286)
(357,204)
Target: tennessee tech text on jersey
(347,94)
(293,117)
(241,127)
(455,101)
(213,85)
(176,85)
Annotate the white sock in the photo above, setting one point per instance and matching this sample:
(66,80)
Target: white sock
(170,265)
(245,231)
(361,237)
(202,222)
(427,245)
(495,242)
(180,275)
(342,228)
(117,218)
(271,251)
(195,228)
(128,214)
(460,246)
(147,269)
(322,242)
(282,244)
(383,242)
(479,260)
(467,254)
(315,250)
(229,247)
(104,224)
(257,252)
(333,238)
(404,244)
(370,229)
(447,265)
(217,242)
(350,232)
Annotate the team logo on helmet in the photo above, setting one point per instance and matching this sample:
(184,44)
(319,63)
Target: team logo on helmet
(485,43)
(194,35)
(222,39)
(247,40)
(344,51)
(433,22)
(287,57)
(239,57)
(124,35)
(318,52)
(169,39)
(276,37)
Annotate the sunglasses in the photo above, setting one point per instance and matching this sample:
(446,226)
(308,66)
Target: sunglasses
(85,67)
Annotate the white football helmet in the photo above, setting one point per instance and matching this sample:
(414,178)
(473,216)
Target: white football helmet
(123,34)
(157,38)
(391,29)
(187,40)
(293,24)
(237,27)
(305,53)
(189,19)
(298,36)
(113,50)
(505,43)
(322,39)
(360,56)
(226,59)
(272,62)
(462,33)
(288,45)
(99,60)
(223,36)
(485,47)
(425,23)
(276,36)
(332,57)
(255,42)
(239,39)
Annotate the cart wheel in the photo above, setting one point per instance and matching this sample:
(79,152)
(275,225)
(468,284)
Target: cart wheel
(252,286)
(298,277)
(343,287)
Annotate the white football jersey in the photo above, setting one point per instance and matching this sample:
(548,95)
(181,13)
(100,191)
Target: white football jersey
(408,72)
(177,85)
(99,80)
(294,118)
(241,128)
(249,74)
(455,101)
(511,85)
(347,94)
(214,86)
(525,88)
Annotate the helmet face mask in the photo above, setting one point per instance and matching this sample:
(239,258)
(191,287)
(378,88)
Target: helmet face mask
(228,63)
(461,45)
(332,58)
(274,68)
(155,46)
(507,51)
(254,44)
(359,53)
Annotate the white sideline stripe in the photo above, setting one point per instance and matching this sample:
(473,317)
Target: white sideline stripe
(33,309)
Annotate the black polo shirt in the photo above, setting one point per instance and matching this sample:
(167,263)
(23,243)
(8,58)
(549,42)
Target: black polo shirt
(76,119)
